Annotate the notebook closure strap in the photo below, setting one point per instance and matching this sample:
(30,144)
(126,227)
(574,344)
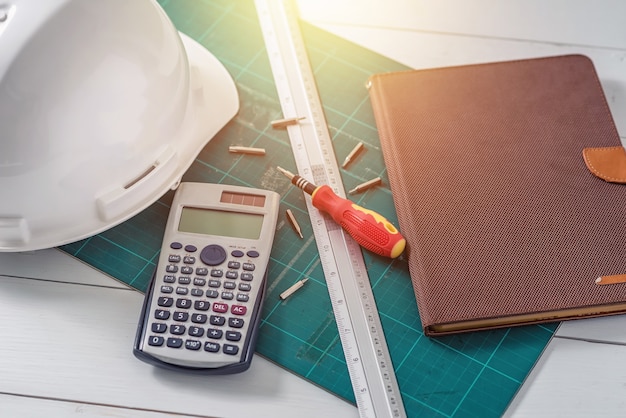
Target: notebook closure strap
(607,163)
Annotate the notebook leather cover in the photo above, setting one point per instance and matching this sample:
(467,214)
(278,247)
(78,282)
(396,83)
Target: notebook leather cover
(504,223)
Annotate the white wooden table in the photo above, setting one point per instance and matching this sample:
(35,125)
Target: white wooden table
(67,330)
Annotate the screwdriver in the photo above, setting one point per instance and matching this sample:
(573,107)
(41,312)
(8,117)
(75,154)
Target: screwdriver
(370,229)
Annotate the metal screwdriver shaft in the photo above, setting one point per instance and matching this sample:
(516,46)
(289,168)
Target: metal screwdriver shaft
(298,181)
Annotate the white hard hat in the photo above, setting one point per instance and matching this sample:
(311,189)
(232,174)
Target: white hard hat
(103,107)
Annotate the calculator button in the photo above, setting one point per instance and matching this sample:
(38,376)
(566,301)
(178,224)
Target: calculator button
(186,270)
(184,280)
(191,248)
(235,322)
(176,245)
(167,289)
(182,290)
(237,253)
(212,255)
(247,277)
(241,297)
(196,331)
(216,334)
(217,320)
(197,281)
(230,349)
(211,347)
(234,264)
(165,301)
(159,327)
(161,314)
(228,295)
(171,268)
(198,318)
(212,293)
(183,303)
(168,278)
(202,305)
(189,259)
(253,254)
(233,335)
(173,258)
(238,310)
(245,287)
(202,271)
(174,342)
(193,344)
(178,329)
(230,285)
(156,341)
(217,273)
(232,274)
(214,283)
(180,316)
(248,266)
(197,292)
(220,307)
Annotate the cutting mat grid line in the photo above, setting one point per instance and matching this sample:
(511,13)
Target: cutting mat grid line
(473,374)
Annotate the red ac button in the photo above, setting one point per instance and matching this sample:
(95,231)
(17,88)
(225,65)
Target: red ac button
(238,310)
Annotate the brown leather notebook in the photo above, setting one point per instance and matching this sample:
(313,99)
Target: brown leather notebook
(504,223)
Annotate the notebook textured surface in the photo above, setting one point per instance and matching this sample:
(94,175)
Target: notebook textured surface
(501,215)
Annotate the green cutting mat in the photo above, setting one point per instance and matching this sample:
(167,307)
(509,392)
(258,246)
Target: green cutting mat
(473,375)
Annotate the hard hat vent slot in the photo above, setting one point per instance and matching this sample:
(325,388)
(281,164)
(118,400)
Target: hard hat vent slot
(114,202)
(141,176)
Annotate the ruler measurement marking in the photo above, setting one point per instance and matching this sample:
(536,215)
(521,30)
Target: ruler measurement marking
(360,329)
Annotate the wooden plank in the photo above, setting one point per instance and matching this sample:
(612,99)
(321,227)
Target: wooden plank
(18,406)
(55,265)
(574,379)
(574,22)
(611,330)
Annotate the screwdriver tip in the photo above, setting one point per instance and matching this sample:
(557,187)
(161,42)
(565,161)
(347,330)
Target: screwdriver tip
(285,172)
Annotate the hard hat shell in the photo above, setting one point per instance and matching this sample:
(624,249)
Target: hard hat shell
(103,107)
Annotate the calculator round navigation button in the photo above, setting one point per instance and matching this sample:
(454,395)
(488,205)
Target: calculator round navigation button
(213,255)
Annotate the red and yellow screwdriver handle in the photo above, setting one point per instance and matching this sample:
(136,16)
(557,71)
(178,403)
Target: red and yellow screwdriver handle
(371,230)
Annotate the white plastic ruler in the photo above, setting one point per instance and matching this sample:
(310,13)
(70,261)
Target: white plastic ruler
(367,356)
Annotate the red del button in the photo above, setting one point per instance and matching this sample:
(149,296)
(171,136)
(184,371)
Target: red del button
(220,307)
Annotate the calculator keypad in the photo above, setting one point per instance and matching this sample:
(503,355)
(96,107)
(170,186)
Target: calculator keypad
(203,302)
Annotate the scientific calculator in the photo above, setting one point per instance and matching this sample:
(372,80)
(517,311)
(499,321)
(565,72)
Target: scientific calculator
(202,310)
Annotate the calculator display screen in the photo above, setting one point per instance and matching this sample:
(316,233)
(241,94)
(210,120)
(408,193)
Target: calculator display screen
(220,223)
